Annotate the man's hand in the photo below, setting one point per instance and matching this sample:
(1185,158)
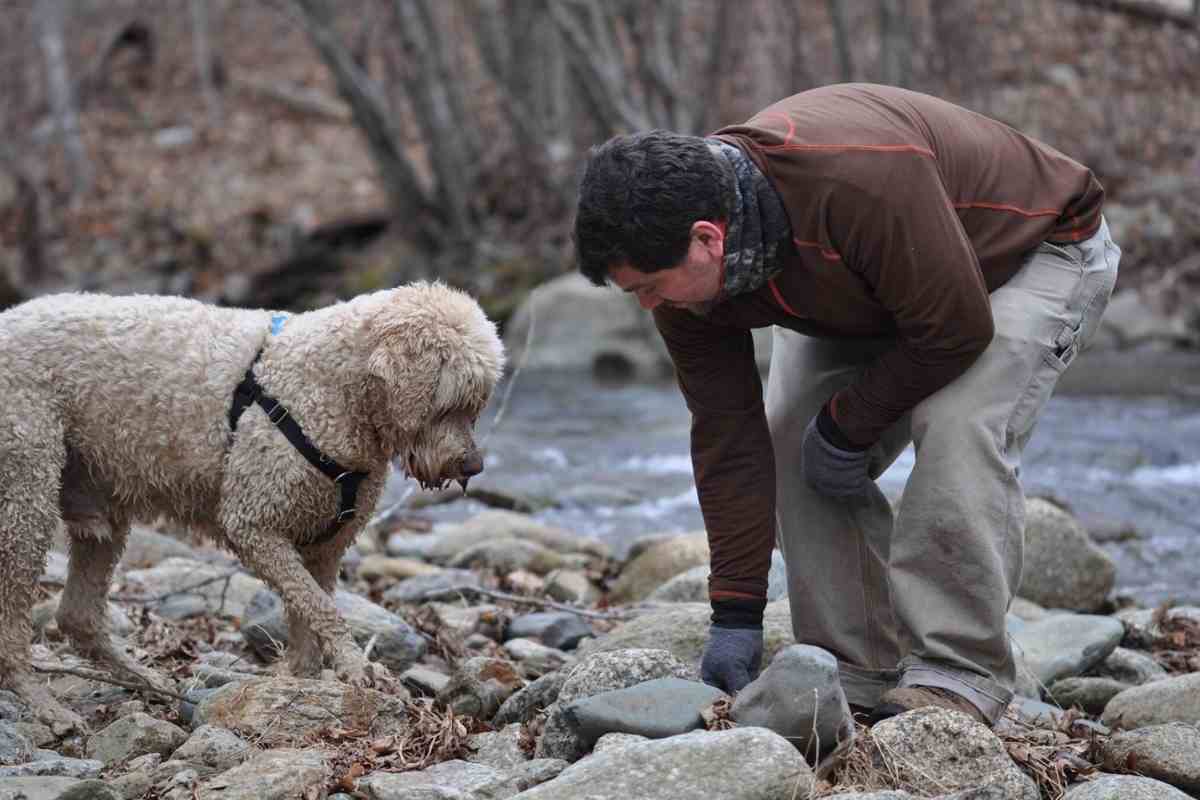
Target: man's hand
(732,657)
(833,466)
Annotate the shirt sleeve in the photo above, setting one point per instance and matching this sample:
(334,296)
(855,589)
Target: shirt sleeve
(905,240)
(732,458)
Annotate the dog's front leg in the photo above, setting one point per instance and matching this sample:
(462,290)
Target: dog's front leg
(275,560)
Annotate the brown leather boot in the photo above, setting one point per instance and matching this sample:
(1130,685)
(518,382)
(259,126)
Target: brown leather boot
(897,701)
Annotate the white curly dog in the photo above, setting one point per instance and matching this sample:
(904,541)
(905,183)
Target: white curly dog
(261,430)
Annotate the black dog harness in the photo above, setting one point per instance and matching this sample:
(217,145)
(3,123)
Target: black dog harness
(250,391)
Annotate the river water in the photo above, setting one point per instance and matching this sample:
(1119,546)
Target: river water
(611,461)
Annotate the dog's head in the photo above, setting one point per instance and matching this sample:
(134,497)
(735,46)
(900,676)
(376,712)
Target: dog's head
(434,360)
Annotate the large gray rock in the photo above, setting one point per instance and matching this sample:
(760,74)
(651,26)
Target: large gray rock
(1131,666)
(498,749)
(213,749)
(1066,645)
(459,780)
(657,564)
(1169,753)
(450,539)
(1063,568)
(1172,700)
(682,628)
(938,751)
(90,789)
(281,774)
(738,764)
(799,696)
(39,788)
(584,327)
(146,547)
(183,576)
(135,735)
(449,584)
(285,711)
(57,765)
(561,630)
(654,709)
(397,645)
(600,672)
(1124,787)
(508,555)
(1089,694)
(692,586)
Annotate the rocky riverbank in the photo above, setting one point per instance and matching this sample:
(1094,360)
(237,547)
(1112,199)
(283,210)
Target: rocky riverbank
(532,664)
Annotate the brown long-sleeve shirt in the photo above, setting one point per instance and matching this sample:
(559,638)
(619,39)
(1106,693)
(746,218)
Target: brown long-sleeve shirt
(906,211)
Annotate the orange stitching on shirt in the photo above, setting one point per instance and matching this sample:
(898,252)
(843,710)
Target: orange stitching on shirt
(791,126)
(1025,212)
(779,298)
(879,148)
(827,253)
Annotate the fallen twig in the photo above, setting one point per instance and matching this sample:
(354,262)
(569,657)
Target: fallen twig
(92,675)
(226,576)
(535,601)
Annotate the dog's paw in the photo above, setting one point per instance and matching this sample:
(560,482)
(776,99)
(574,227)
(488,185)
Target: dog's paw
(364,674)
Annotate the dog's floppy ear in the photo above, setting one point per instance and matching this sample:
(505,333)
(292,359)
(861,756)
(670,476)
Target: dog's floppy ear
(407,359)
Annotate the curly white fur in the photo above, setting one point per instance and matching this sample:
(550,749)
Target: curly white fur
(116,408)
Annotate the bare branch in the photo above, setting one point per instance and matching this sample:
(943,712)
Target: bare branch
(297,98)
(595,55)
(62,97)
(841,37)
(409,198)
(92,675)
(204,60)
(1150,10)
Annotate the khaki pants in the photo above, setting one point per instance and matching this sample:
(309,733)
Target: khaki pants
(918,595)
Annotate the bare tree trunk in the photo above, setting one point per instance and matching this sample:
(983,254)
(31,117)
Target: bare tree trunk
(589,29)
(204,60)
(895,52)
(799,75)
(841,39)
(433,93)
(408,198)
(62,100)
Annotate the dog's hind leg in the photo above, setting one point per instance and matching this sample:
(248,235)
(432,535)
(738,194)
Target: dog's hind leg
(96,546)
(32,455)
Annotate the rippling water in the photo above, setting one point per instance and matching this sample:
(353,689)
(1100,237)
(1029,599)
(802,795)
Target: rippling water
(611,461)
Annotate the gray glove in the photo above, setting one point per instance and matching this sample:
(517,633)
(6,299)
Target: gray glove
(829,469)
(731,657)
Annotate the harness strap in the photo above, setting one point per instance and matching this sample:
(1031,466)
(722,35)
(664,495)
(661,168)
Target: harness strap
(249,391)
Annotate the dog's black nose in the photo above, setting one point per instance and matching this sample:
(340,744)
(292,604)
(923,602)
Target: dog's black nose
(472,464)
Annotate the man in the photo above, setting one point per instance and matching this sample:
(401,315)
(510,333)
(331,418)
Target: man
(930,273)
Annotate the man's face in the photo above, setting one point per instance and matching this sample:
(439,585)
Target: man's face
(692,284)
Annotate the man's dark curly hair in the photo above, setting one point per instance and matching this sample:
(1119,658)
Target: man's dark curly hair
(638,197)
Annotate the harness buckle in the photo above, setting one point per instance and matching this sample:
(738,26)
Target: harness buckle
(345,515)
(338,479)
(277,418)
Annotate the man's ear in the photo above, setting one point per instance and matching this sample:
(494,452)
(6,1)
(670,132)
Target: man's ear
(710,235)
